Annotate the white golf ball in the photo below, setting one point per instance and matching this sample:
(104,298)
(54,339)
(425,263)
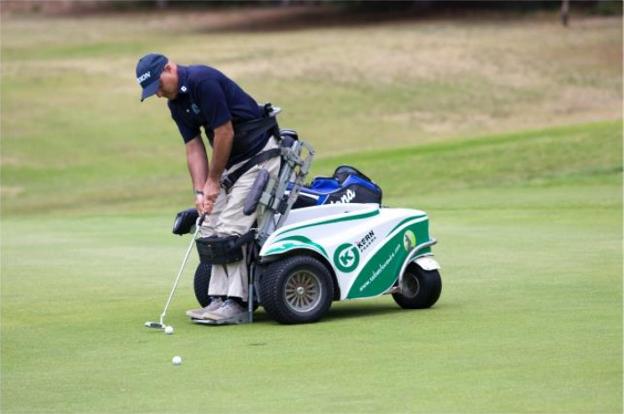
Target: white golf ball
(168,330)
(176,360)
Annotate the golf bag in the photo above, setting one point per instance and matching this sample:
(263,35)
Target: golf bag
(346,185)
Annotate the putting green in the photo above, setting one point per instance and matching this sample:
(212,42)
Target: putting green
(529,318)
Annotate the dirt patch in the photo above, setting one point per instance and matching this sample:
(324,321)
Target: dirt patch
(6,191)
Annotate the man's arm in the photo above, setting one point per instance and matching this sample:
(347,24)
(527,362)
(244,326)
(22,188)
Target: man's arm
(197,162)
(222,147)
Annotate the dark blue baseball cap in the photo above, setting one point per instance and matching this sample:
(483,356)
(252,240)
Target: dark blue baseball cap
(148,72)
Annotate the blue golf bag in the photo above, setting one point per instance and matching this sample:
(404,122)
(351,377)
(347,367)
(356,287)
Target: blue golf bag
(346,185)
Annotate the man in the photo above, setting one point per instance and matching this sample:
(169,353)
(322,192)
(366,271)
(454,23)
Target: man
(201,96)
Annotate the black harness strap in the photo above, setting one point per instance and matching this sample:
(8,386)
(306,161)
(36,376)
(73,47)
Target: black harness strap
(227,181)
(249,130)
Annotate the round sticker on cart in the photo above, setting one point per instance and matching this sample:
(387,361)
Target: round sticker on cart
(346,257)
(409,240)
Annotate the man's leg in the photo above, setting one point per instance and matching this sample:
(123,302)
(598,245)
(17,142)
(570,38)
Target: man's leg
(232,220)
(218,281)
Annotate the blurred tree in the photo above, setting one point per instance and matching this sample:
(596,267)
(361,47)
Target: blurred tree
(565,12)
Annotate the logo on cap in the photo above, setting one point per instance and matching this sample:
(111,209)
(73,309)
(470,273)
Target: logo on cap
(144,76)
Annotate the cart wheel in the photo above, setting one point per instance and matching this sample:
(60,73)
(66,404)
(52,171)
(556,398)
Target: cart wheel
(298,289)
(423,288)
(201,283)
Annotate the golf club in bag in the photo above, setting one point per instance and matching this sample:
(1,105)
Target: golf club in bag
(161,323)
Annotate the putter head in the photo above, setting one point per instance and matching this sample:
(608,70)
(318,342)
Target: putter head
(154,325)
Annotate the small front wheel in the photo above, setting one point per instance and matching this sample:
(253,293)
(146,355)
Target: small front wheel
(298,289)
(201,283)
(422,288)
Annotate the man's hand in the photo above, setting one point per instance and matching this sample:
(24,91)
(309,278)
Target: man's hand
(211,192)
(199,203)
(206,175)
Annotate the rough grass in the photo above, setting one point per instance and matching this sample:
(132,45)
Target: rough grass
(394,84)
(70,108)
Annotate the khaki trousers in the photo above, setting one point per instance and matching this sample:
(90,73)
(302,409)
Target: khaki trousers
(227,219)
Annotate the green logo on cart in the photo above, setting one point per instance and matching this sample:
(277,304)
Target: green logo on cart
(409,240)
(347,257)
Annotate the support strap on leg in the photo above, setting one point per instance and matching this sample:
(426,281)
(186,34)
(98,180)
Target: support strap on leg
(223,250)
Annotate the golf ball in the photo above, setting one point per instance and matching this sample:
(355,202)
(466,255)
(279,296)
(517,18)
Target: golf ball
(176,360)
(168,330)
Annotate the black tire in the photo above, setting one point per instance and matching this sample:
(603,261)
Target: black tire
(424,288)
(201,283)
(297,289)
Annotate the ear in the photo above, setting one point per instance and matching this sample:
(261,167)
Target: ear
(169,67)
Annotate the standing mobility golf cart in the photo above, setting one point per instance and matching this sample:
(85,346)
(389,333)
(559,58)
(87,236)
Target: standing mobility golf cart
(328,241)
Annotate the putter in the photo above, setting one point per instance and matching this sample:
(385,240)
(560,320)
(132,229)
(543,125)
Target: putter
(161,323)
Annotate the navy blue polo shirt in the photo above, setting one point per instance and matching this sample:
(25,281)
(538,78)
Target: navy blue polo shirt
(207,98)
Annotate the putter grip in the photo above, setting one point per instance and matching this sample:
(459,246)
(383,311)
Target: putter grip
(201,220)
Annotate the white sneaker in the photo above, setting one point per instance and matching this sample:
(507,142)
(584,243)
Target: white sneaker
(201,313)
(229,309)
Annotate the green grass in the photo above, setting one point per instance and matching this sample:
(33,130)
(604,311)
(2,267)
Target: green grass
(516,156)
(529,319)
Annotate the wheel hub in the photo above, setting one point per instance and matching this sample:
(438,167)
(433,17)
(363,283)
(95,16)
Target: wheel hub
(412,285)
(302,291)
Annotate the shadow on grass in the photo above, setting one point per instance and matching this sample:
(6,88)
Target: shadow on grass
(341,312)
(359,309)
